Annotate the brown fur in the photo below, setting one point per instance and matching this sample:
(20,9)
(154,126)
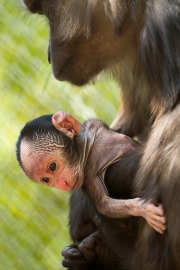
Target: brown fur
(137,41)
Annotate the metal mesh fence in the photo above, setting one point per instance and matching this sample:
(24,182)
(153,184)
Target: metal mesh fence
(33,218)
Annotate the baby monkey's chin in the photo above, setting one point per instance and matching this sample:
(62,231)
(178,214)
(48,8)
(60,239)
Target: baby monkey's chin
(79,181)
(63,188)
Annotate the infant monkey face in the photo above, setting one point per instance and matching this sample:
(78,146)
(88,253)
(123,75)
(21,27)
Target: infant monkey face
(51,170)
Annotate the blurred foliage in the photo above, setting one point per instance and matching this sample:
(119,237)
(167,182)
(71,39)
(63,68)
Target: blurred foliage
(33,218)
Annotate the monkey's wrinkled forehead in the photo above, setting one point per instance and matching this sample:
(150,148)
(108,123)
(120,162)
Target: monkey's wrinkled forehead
(32,154)
(31,157)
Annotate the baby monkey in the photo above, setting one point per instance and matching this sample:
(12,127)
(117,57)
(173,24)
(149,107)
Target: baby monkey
(57,151)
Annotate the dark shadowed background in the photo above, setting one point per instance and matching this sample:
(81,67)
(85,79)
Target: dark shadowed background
(33,218)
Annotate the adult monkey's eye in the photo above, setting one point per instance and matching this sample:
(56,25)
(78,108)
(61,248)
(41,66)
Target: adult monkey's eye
(52,166)
(45,180)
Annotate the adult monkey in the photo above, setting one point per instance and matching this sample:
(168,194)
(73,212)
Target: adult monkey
(138,42)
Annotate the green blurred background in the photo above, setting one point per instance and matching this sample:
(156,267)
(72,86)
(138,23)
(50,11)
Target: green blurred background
(33,218)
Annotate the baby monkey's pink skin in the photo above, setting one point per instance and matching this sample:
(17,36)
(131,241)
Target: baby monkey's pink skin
(60,176)
(52,169)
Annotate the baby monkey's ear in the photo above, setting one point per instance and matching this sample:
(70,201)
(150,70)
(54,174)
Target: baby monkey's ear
(66,123)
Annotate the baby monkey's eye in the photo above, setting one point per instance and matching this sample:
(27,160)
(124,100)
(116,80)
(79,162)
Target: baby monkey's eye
(45,180)
(52,166)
